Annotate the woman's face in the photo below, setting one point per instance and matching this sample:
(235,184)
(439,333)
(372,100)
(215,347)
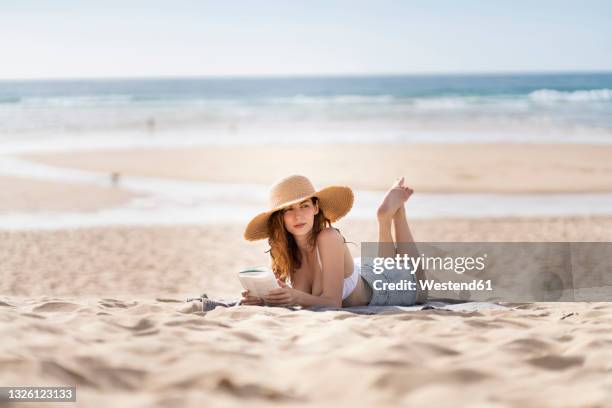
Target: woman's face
(299,218)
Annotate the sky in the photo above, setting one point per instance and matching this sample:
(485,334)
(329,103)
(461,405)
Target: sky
(153,38)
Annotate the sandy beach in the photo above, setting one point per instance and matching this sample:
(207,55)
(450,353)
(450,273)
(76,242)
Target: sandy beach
(103,308)
(20,194)
(139,140)
(498,168)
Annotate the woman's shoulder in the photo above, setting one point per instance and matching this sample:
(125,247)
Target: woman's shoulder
(329,235)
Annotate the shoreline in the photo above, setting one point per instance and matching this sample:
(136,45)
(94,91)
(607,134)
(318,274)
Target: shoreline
(473,168)
(227,184)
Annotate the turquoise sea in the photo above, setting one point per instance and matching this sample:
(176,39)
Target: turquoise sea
(523,107)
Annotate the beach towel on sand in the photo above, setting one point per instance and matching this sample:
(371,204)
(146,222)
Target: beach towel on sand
(444,304)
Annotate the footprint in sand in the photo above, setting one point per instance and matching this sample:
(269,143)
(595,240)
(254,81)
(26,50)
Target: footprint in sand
(142,324)
(483,324)
(394,380)
(528,345)
(555,362)
(56,307)
(164,300)
(34,315)
(565,337)
(197,322)
(46,328)
(66,374)
(232,387)
(464,376)
(246,336)
(124,378)
(116,303)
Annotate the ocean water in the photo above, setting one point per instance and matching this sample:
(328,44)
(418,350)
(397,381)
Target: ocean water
(458,108)
(89,114)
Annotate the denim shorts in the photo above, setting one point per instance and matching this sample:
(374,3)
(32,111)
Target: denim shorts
(383,296)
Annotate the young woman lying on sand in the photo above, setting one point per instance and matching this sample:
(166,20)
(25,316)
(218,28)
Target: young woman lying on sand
(313,256)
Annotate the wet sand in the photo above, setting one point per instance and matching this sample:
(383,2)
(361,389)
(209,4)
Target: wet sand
(494,168)
(20,194)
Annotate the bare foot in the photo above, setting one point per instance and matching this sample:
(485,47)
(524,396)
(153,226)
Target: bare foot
(401,211)
(408,190)
(395,199)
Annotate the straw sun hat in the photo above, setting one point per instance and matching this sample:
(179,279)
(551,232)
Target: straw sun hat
(335,201)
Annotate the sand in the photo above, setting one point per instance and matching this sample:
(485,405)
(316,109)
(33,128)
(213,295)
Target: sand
(19,194)
(509,168)
(170,261)
(103,308)
(142,352)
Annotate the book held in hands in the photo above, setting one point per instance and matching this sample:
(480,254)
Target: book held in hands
(259,280)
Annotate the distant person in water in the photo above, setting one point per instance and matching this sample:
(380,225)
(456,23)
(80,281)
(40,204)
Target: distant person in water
(310,258)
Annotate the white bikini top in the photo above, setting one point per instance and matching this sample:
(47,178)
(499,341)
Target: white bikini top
(350,283)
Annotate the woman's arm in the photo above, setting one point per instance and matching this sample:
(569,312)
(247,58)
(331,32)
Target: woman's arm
(306,299)
(287,296)
(332,248)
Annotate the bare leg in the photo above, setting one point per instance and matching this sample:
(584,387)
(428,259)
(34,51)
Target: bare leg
(406,245)
(392,212)
(403,236)
(393,200)
(384,236)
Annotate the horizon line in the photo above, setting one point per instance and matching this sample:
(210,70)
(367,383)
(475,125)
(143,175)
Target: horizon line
(318,75)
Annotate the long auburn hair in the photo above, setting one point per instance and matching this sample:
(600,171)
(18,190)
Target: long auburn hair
(286,257)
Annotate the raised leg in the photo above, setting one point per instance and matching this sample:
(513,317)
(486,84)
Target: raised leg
(403,236)
(405,243)
(384,236)
(394,199)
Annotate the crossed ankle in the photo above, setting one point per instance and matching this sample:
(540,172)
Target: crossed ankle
(400,213)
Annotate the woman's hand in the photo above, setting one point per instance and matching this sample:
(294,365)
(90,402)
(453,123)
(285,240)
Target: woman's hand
(250,300)
(283,296)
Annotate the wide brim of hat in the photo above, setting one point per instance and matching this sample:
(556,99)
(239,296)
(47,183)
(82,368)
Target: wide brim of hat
(335,201)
